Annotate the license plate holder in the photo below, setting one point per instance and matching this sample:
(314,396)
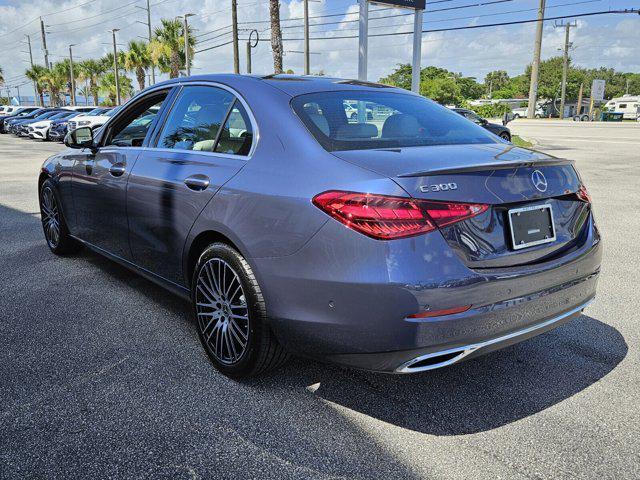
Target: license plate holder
(531,226)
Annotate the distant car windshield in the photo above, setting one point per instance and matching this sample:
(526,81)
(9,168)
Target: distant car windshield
(60,115)
(96,111)
(111,112)
(363,120)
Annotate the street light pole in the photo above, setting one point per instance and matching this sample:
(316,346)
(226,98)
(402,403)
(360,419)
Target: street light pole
(35,86)
(73,80)
(307,61)
(363,33)
(115,65)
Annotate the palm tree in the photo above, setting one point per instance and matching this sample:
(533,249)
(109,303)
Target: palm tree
(57,79)
(92,70)
(37,75)
(1,76)
(276,35)
(86,93)
(137,59)
(108,87)
(167,47)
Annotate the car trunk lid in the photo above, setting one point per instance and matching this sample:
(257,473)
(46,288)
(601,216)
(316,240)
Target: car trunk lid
(500,175)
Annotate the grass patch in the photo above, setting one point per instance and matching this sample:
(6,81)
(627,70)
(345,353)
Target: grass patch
(520,142)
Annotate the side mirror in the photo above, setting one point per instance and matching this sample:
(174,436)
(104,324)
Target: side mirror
(80,138)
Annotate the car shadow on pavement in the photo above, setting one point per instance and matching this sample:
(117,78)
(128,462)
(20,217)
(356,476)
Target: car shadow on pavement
(478,395)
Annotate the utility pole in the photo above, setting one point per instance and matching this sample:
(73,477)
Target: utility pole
(565,65)
(153,69)
(535,66)
(186,43)
(35,86)
(18,89)
(115,65)
(73,80)
(307,61)
(626,90)
(149,37)
(44,44)
(234,26)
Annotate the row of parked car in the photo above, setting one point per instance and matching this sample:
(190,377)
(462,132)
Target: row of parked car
(50,123)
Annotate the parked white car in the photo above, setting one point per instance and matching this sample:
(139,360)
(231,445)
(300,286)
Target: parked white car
(9,109)
(91,120)
(40,130)
(522,112)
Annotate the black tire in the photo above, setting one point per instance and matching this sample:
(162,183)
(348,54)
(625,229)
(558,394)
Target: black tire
(53,221)
(213,315)
(505,136)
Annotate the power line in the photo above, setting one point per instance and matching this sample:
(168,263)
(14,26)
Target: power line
(93,16)
(442,20)
(471,27)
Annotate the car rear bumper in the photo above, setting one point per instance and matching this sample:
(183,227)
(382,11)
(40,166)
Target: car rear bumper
(347,299)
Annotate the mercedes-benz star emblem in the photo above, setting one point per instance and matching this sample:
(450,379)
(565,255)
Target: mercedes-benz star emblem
(539,180)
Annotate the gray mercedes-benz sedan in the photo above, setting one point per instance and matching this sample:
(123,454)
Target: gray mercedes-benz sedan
(335,219)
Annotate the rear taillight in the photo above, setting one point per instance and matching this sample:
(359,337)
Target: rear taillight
(385,217)
(583,194)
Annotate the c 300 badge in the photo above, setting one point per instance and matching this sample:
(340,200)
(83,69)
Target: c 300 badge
(439,187)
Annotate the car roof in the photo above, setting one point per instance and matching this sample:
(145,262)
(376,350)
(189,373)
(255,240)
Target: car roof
(290,84)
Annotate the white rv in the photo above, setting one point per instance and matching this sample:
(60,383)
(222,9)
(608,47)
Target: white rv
(628,105)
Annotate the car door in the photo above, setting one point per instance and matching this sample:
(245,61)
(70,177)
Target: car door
(172,183)
(100,177)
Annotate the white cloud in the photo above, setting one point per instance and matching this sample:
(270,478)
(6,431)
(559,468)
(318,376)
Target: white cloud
(473,52)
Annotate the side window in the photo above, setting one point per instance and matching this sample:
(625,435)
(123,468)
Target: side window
(236,136)
(195,120)
(132,129)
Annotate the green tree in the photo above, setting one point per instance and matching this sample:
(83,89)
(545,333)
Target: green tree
(108,87)
(92,70)
(496,80)
(442,90)
(37,74)
(137,60)
(167,47)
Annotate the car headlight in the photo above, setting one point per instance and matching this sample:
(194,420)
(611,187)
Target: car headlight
(40,127)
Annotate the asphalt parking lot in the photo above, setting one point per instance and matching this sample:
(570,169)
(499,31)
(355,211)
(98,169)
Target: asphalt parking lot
(102,374)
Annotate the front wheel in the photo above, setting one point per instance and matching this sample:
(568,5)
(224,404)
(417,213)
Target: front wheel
(55,228)
(505,136)
(231,316)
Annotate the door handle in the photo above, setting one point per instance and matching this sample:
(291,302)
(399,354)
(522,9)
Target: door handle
(117,170)
(197,182)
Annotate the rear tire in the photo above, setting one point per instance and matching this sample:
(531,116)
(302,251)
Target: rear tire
(231,316)
(54,226)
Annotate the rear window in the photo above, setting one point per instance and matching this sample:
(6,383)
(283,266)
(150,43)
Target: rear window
(361,120)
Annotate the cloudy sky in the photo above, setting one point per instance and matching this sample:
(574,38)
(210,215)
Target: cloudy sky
(607,40)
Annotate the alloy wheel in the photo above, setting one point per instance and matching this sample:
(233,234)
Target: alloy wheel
(50,217)
(222,313)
